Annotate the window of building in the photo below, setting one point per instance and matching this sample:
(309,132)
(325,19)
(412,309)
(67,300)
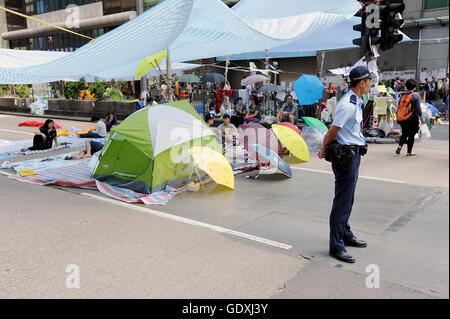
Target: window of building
(435,4)
(148,4)
(116,6)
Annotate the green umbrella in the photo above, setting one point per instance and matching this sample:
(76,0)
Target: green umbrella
(113,94)
(312,122)
(189,78)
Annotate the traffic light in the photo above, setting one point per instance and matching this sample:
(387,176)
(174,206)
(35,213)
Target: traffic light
(369,28)
(391,23)
(375,17)
(362,42)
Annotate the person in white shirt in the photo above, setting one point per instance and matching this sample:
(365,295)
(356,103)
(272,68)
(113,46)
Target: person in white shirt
(227,131)
(100,129)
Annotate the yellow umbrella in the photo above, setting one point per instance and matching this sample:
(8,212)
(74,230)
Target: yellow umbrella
(149,63)
(293,141)
(214,164)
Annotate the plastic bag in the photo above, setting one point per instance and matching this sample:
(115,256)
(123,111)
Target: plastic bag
(38,107)
(313,137)
(425,132)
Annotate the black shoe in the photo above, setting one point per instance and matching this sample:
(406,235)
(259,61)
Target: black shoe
(342,256)
(355,242)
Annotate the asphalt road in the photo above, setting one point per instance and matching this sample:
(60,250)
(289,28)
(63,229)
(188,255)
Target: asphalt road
(267,239)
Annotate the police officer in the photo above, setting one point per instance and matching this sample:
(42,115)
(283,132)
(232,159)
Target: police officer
(346,135)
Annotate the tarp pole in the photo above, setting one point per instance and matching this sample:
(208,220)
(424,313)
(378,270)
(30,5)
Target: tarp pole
(169,76)
(140,10)
(227,64)
(319,113)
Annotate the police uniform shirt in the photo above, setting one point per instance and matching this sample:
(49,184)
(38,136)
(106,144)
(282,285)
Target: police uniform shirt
(348,117)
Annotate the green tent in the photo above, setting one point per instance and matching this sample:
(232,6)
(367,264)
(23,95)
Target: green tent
(150,150)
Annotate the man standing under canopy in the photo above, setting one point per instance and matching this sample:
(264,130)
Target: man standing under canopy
(343,145)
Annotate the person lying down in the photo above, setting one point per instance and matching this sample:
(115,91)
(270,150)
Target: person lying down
(90,148)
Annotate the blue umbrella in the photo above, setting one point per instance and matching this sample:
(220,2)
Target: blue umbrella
(270,157)
(433,109)
(309,89)
(213,78)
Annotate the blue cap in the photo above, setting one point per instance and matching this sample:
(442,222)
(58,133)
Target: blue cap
(361,73)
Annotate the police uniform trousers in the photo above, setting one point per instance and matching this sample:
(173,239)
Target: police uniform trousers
(345,186)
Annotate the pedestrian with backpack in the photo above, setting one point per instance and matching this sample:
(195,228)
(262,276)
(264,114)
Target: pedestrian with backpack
(408,114)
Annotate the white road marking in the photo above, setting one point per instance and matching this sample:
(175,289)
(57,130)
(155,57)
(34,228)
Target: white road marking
(26,133)
(363,177)
(192,222)
(312,170)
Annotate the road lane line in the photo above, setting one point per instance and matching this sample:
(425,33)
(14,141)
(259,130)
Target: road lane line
(192,222)
(363,177)
(26,133)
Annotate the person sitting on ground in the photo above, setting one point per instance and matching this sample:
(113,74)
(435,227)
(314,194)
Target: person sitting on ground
(253,111)
(209,119)
(331,91)
(100,129)
(110,121)
(151,102)
(240,112)
(227,131)
(90,148)
(289,111)
(44,138)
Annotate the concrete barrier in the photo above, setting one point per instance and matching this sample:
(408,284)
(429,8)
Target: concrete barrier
(71,108)
(15,105)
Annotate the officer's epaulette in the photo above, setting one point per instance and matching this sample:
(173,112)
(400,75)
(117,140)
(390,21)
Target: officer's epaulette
(353,99)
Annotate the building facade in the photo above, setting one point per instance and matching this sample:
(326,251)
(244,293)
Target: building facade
(94,19)
(426,23)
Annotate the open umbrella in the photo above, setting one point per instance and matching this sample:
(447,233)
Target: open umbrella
(113,94)
(433,109)
(189,78)
(293,142)
(291,126)
(312,122)
(308,89)
(270,157)
(313,137)
(270,88)
(213,78)
(149,63)
(214,164)
(252,79)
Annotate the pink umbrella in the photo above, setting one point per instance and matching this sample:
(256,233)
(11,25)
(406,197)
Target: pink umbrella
(291,126)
